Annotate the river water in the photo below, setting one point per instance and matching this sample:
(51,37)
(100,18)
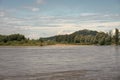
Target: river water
(24,63)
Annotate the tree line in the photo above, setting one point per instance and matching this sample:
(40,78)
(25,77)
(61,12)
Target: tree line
(82,37)
(21,40)
(12,37)
(88,37)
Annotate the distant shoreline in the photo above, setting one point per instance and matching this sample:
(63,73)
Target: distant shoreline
(54,45)
(42,46)
(81,37)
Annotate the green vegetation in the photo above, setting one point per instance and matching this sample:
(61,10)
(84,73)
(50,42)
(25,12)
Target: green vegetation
(82,37)
(87,37)
(116,36)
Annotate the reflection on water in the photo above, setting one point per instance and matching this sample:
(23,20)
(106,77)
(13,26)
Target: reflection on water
(117,57)
(98,62)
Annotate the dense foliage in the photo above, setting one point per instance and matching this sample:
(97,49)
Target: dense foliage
(13,37)
(82,37)
(88,37)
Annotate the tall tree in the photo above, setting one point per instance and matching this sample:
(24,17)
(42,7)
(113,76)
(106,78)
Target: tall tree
(116,36)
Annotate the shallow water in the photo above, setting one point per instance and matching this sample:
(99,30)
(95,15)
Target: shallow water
(99,62)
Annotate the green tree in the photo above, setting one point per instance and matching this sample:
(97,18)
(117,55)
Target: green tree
(16,37)
(77,39)
(116,36)
(102,41)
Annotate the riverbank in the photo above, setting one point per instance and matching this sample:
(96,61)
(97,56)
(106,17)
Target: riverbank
(55,45)
(67,75)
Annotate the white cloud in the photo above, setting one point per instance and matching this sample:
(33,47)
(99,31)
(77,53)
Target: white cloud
(40,31)
(35,9)
(88,14)
(105,24)
(40,1)
(31,8)
(44,26)
(2,14)
(34,6)
(70,28)
(33,35)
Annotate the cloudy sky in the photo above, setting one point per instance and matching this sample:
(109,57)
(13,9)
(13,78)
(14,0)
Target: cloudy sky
(44,18)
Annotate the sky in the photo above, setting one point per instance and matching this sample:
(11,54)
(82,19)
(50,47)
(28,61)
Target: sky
(44,18)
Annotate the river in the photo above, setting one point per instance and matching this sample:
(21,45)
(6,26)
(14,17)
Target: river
(60,63)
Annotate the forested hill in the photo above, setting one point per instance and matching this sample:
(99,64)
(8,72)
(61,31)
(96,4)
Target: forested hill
(85,37)
(82,37)
(85,32)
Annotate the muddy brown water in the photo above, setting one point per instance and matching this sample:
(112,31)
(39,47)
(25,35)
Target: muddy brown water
(60,63)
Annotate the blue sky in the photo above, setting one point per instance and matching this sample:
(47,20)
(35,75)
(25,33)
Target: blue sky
(43,18)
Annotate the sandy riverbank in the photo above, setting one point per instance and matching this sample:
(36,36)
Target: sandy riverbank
(56,45)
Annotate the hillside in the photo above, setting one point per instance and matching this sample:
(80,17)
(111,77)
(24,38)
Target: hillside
(85,36)
(82,37)
(61,38)
(85,32)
